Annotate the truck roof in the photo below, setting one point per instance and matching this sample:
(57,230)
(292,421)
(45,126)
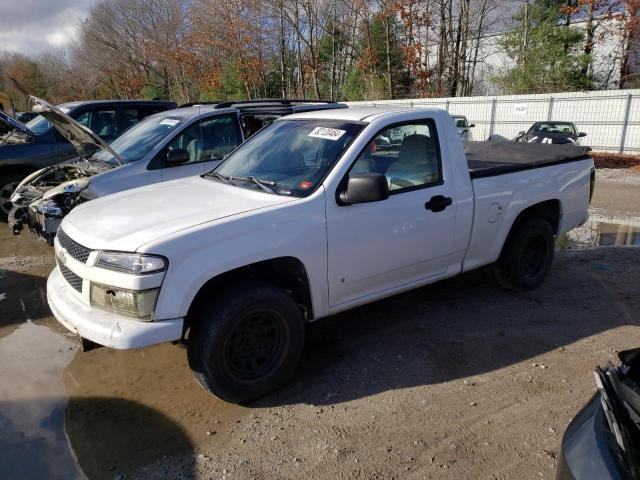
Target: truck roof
(357,114)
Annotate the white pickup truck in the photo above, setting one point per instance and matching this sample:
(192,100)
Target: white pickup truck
(314,215)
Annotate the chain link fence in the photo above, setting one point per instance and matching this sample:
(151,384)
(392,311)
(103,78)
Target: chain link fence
(610,118)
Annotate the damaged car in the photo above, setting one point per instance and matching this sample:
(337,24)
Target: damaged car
(603,440)
(550,133)
(28,147)
(166,146)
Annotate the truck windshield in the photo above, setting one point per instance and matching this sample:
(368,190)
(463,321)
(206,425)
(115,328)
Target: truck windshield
(290,156)
(140,139)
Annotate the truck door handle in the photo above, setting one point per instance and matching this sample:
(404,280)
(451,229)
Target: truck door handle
(438,203)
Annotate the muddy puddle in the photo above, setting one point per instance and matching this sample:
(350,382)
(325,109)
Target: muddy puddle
(102,414)
(65,414)
(602,230)
(32,404)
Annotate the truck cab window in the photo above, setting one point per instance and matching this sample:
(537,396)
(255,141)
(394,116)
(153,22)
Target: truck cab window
(407,155)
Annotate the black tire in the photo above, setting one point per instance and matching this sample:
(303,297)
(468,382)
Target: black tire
(8,183)
(527,255)
(246,343)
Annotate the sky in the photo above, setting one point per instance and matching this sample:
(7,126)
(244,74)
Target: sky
(33,27)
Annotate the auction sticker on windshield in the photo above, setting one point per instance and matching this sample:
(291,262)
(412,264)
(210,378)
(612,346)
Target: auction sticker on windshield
(169,121)
(327,133)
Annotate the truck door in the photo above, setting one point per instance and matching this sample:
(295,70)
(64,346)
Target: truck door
(383,246)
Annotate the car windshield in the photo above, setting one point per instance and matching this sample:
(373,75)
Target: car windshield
(461,122)
(140,139)
(554,127)
(289,157)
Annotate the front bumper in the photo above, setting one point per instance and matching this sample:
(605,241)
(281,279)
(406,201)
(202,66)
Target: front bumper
(44,225)
(105,328)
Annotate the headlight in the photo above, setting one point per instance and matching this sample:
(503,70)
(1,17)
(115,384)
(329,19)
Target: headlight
(140,304)
(134,263)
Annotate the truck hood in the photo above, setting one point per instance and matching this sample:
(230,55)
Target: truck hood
(77,134)
(127,220)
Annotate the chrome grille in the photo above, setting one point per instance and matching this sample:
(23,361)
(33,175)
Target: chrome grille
(72,247)
(72,279)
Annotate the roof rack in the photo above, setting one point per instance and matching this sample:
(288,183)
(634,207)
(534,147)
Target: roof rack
(269,101)
(193,104)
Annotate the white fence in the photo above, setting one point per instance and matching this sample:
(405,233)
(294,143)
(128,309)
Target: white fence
(610,118)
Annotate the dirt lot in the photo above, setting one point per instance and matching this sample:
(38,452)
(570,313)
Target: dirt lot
(456,380)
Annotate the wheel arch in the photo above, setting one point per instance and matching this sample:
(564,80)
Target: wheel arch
(550,210)
(288,273)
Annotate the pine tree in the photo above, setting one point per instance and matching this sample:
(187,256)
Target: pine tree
(547,52)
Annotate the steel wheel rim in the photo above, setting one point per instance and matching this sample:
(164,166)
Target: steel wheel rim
(256,345)
(533,256)
(5,196)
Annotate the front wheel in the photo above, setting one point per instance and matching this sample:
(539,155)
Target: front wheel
(527,255)
(246,343)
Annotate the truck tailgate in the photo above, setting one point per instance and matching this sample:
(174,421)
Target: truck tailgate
(487,159)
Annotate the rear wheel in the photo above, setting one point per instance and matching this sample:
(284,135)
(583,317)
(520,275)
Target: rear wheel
(246,343)
(527,255)
(8,183)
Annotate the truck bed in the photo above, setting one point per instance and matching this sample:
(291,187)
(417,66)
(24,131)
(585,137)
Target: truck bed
(486,159)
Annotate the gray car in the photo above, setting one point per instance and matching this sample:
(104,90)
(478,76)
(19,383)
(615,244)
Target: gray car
(166,146)
(27,147)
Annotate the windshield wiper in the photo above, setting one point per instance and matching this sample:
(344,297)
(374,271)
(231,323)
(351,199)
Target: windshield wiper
(266,185)
(219,176)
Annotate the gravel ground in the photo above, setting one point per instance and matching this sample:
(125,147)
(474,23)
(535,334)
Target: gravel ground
(458,380)
(618,176)
(18,263)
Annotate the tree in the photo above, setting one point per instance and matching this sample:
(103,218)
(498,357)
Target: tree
(629,74)
(546,52)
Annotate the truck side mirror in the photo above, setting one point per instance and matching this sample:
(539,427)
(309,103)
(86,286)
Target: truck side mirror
(178,156)
(472,125)
(365,188)
(582,134)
